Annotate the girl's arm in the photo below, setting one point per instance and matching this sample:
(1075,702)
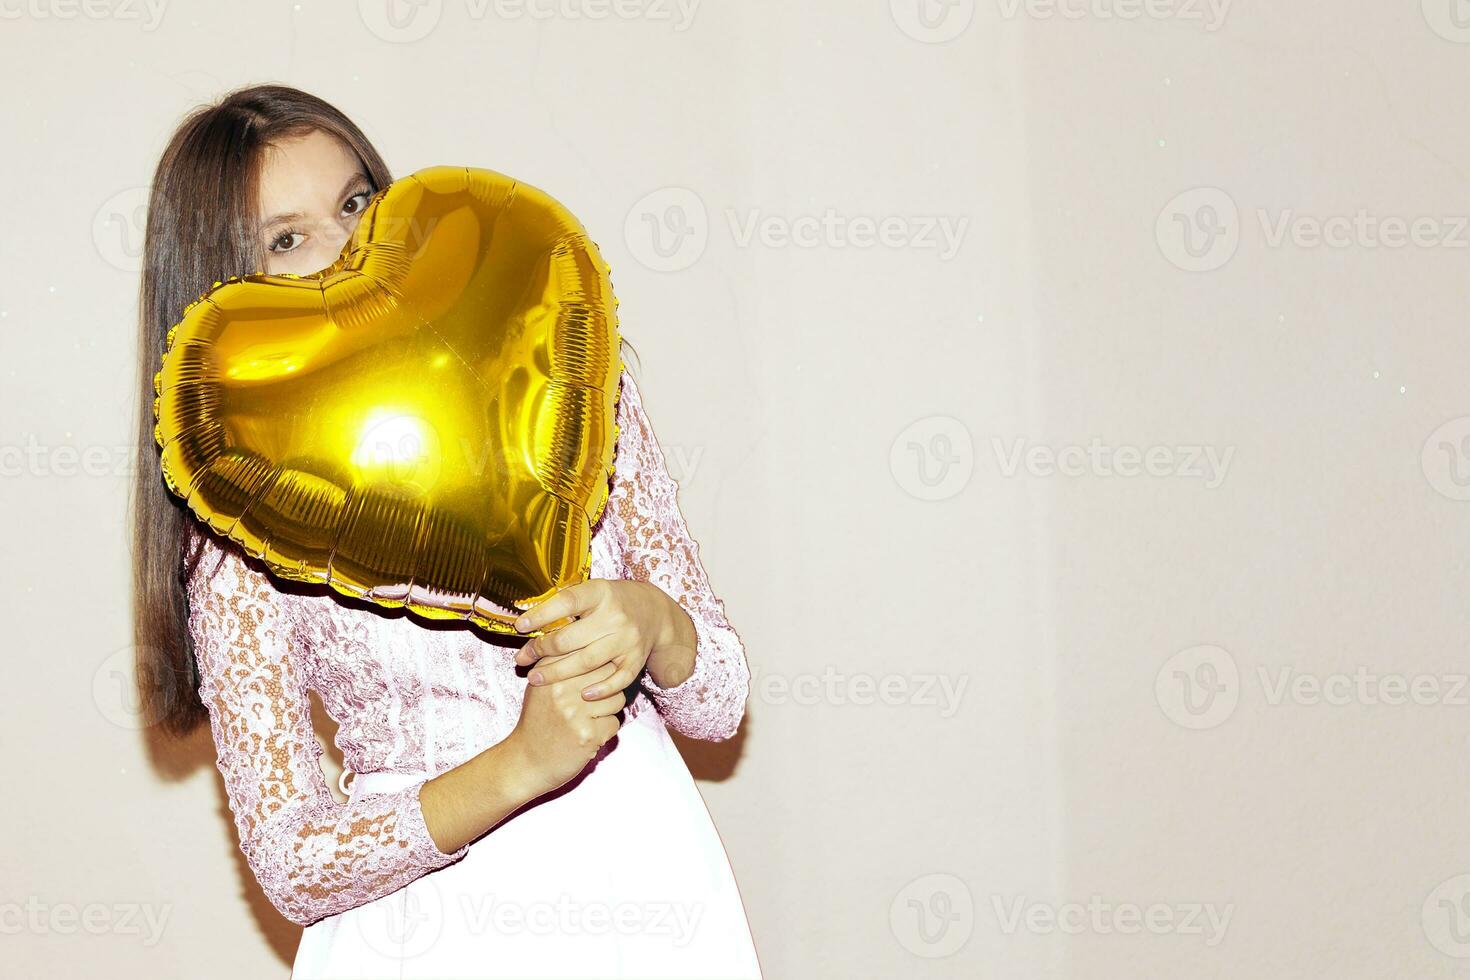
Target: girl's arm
(657,548)
(313,856)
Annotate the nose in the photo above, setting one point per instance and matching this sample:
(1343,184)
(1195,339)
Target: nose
(330,244)
(342,232)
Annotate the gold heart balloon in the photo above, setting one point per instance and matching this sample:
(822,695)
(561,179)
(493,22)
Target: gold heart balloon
(429,422)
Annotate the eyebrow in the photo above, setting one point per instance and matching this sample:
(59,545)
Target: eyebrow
(354,180)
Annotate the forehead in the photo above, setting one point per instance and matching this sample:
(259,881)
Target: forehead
(305,174)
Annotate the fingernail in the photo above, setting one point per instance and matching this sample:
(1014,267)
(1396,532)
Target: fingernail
(522,624)
(590,693)
(536,677)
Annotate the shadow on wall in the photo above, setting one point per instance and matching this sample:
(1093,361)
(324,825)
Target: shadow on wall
(175,760)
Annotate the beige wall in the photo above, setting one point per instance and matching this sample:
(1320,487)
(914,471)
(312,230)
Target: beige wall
(1202,716)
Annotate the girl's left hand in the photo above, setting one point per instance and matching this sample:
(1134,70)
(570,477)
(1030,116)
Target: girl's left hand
(618,621)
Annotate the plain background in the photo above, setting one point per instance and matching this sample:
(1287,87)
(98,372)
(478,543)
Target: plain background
(1100,567)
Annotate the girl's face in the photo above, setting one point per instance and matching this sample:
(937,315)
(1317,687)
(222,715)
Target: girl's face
(312,192)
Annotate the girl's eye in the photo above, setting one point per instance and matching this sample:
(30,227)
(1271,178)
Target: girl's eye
(287,241)
(356,202)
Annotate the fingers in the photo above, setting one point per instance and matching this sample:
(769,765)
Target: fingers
(563,639)
(601,715)
(620,680)
(577,680)
(550,670)
(604,707)
(570,601)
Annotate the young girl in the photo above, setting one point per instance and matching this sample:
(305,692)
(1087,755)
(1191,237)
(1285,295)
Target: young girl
(498,826)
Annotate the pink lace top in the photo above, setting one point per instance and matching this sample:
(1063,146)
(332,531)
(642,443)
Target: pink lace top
(412,696)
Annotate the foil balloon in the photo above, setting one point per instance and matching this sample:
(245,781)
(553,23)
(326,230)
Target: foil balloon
(429,422)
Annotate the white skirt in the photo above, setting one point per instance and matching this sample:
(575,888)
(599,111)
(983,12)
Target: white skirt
(621,875)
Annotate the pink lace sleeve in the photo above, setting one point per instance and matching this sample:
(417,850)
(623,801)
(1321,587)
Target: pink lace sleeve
(313,856)
(658,549)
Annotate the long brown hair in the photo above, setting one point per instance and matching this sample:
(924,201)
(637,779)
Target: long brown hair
(202,228)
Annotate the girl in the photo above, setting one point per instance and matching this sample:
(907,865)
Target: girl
(497,826)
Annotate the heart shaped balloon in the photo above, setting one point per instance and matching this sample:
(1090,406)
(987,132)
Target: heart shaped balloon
(430,422)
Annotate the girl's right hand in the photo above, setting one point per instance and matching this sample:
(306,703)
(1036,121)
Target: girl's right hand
(559,731)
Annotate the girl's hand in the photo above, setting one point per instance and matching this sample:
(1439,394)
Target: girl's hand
(559,732)
(618,621)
